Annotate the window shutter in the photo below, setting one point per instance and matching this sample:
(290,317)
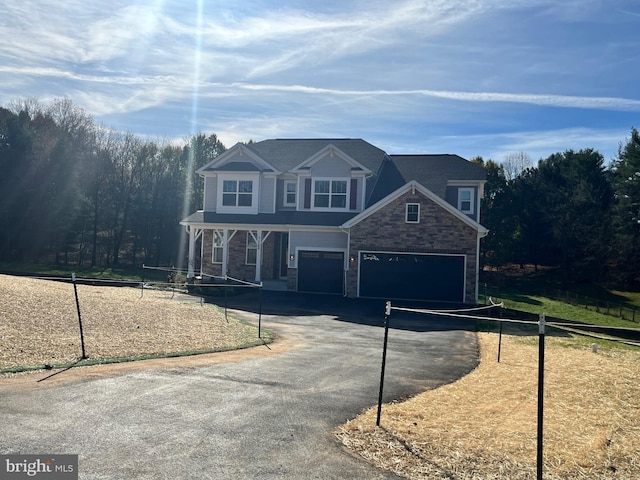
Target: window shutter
(307,193)
(353,196)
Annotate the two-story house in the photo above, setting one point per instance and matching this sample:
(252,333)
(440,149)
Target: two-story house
(341,216)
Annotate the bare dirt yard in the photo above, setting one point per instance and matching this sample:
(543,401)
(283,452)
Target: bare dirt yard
(484,425)
(39,324)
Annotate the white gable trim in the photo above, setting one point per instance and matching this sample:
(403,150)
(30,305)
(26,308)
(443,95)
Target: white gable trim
(330,150)
(413,186)
(237,148)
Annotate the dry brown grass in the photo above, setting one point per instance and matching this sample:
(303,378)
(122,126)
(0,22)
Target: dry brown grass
(39,323)
(484,425)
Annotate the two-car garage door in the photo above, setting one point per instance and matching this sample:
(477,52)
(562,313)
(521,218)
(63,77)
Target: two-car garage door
(411,276)
(387,275)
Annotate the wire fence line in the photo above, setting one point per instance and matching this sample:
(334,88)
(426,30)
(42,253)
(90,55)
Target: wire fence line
(605,307)
(542,325)
(52,324)
(576,327)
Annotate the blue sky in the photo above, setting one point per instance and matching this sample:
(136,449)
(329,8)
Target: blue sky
(472,77)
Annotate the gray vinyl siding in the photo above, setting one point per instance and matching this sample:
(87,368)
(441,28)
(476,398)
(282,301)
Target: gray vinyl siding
(331,167)
(451,196)
(267,199)
(210,193)
(317,241)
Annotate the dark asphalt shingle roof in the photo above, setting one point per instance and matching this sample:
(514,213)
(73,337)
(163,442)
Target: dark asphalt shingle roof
(431,171)
(286,154)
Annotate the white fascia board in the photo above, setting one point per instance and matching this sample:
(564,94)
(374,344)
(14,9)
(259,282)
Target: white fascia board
(332,150)
(238,147)
(413,185)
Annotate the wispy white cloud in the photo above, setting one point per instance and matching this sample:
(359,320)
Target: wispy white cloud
(359,68)
(536,143)
(565,101)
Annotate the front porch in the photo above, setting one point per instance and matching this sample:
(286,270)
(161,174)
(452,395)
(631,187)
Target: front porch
(249,255)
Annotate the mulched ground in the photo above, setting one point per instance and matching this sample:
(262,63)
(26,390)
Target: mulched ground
(39,323)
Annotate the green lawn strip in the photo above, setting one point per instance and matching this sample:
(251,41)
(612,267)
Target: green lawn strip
(267,337)
(558,309)
(125,273)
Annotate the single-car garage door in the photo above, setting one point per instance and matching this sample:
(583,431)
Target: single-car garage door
(412,276)
(320,272)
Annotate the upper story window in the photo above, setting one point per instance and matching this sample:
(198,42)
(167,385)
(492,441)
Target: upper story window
(466,200)
(329,193)
(289,193)
(237,193)
(412,213)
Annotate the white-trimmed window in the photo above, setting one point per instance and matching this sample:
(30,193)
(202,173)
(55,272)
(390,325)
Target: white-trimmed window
(237,193)
(412,213)
(289,193)
(218,247)
(466,200)
(330,194)
(252,248)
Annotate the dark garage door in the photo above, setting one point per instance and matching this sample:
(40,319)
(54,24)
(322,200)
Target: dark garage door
(412,276)
(320,272)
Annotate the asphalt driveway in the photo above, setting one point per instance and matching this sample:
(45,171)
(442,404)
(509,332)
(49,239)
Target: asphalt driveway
(267,416)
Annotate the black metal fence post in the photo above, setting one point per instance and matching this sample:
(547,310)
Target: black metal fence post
(500,342)
(75,291)
(387,314)
(539,462)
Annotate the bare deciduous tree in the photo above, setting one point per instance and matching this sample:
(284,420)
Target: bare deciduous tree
(516,163)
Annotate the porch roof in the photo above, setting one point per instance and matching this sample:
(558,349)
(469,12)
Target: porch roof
(287,217)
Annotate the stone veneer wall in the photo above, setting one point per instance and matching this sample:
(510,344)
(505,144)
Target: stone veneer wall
(437,232)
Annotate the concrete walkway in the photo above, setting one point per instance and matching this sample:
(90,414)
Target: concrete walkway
(269,415)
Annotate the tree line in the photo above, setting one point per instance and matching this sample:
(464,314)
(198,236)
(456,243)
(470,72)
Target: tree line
(571,210)
(74,192)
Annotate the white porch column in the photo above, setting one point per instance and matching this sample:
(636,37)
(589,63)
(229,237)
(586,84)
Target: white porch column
(259,239)
(194,234)
(225,251)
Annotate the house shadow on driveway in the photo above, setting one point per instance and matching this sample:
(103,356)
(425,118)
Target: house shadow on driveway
(353,310)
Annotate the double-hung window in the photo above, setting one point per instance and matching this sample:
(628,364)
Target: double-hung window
(237,193)
(218,247)
(465,200)
(290,193)
(330,194)
(252,248)
(412,213)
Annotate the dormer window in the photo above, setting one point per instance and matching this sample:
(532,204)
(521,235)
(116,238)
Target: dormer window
(328,193)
